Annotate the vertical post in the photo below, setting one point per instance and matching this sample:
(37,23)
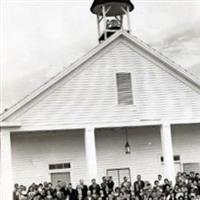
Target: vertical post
(6,165)
(90,151)
(105,21)
(98,26)
(167,151)
(121,20)
(128,19)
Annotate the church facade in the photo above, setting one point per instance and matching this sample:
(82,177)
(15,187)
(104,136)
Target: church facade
(121,110)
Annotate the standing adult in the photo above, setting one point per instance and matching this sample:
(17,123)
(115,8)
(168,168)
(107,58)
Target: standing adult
(94,187)
(138,185)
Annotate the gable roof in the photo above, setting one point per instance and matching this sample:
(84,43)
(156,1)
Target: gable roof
(156,55)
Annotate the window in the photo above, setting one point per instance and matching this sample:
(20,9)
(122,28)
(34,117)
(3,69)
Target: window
(60,166)
(124,88)
(118,175)
(188,167)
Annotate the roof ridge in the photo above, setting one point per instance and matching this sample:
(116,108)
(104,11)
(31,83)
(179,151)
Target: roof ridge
(66,70)
(160,52)
(46,82)
(74,65)
(163,57)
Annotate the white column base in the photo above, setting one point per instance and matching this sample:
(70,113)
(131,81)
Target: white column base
(90,151)
(6,166)
(167,151)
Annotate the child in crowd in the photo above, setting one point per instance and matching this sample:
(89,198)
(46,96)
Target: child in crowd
(186,187)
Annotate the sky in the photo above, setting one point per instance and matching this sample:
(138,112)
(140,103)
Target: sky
(40,38)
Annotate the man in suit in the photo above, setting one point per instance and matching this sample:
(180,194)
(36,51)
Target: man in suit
(126,184)
(138,185)
(83,188)
(94,187)
(71,193)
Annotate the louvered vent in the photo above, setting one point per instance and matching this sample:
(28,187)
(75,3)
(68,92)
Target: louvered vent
(124,88)
(60,166)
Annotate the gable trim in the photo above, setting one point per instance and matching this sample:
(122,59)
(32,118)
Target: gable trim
(163,59)
(122,124)
(10,124)
(140,44)
(165,67)
(58,77)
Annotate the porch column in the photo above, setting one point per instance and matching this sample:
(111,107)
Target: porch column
(90,151)
(167,151)
(6,165)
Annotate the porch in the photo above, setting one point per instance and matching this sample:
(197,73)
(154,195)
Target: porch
(31,156)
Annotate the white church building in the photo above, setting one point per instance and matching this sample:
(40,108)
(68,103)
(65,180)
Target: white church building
(122,109)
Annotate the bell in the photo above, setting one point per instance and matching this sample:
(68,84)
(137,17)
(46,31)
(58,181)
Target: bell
(113,24)
(110,16)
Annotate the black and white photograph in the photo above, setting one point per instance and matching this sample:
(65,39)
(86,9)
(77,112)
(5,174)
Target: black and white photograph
(100,100)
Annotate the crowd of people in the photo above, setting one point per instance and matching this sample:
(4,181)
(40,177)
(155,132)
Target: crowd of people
(186,187)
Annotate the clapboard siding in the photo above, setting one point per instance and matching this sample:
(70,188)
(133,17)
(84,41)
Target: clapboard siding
(89,94)
(32,154)
(145,151)
(186,142)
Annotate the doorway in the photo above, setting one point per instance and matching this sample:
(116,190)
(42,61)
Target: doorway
(60,177)
(119,174)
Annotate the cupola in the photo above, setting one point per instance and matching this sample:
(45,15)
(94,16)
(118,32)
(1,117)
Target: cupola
(112,15)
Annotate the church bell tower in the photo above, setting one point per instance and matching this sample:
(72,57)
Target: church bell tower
(112,15)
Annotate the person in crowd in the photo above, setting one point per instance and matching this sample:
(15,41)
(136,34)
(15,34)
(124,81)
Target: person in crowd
(49,195)
(104,185)
(160,180)
(89,195)
(138,185)
(110,184)
(83,188)
(71,193)
(16,192)
(94,187)
(126,183)
(186,187)
(59,194)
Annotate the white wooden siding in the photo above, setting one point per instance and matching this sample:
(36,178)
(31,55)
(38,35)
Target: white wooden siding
(33,152)
(88,95)
(186,141)
(145,151)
